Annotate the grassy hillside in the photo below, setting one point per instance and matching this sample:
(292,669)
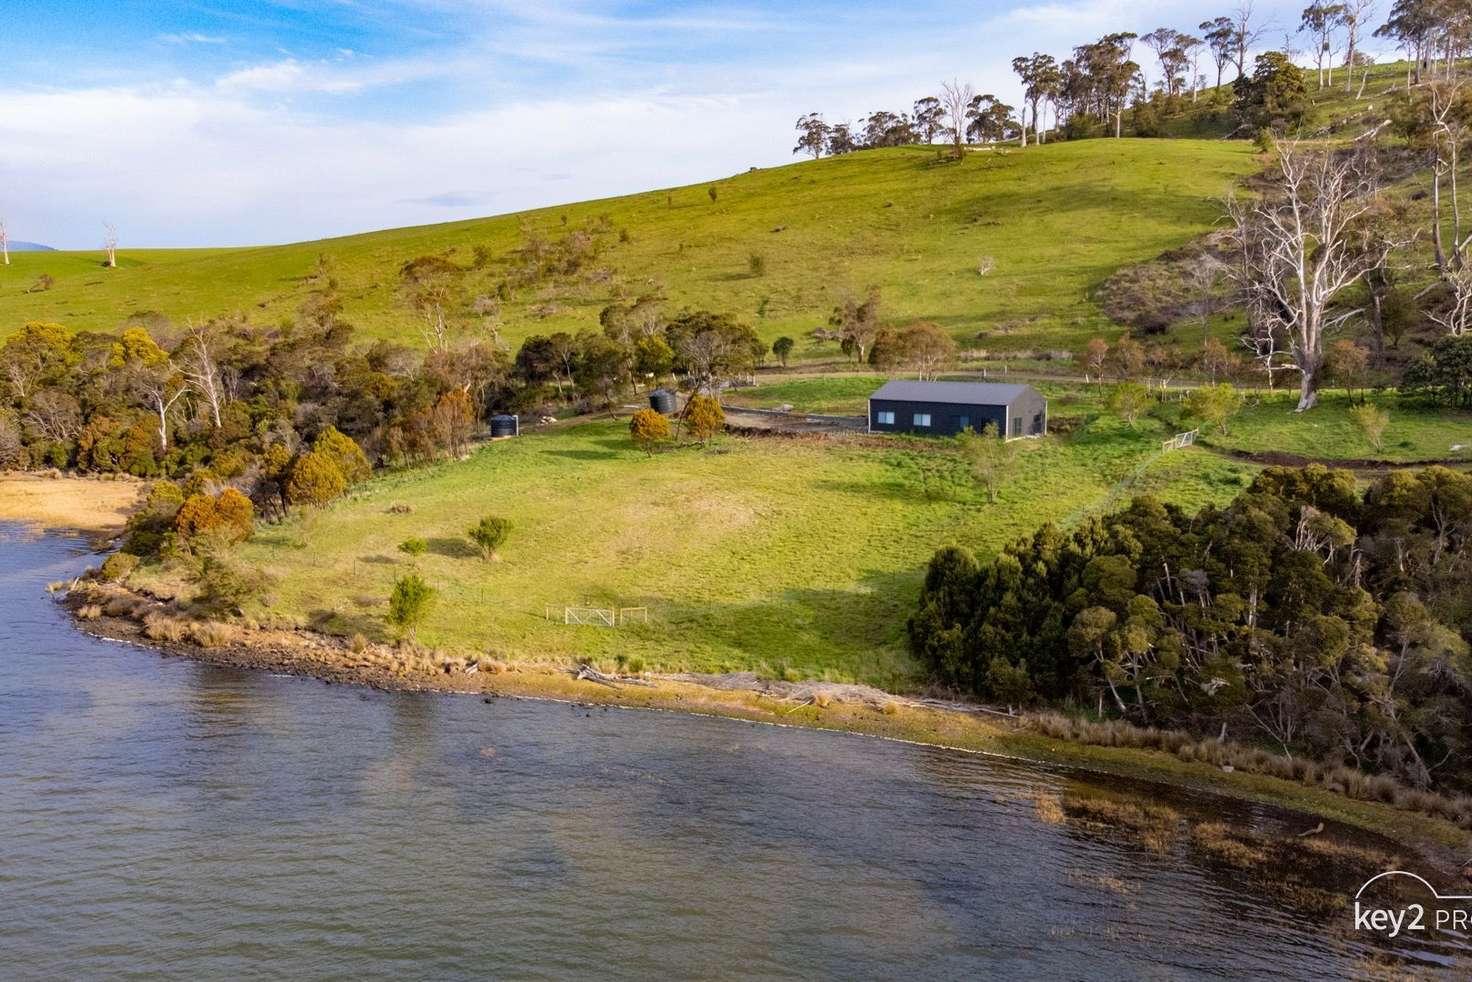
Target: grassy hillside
(759,553)
(1056,220)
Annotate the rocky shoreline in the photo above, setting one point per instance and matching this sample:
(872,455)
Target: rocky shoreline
(114,613)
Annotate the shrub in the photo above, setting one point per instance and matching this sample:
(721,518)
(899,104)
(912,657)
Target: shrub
(414,546)
(1010,683)
(1129,400)
(316,479)
(149,524)
(118,566)
(649,429)
(410,603)
(202,481)
(704,417)
(782,348)
(344,452)
(757,264)
(1371,422)
(231,515)
(489,534)
(225,586)
(1214,404)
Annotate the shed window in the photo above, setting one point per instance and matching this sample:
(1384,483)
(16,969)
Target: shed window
(884,418)
(961,423)
(1017,426)
(922,419)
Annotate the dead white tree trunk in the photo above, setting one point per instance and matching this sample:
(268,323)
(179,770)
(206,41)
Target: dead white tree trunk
(1300,252)
(1450,132)
(1457,320)
(955,98)
(4,244)
(162,394)
(201,369)
(110,245)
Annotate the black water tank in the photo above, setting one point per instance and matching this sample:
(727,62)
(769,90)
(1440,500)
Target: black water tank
(504,426)
(663,401)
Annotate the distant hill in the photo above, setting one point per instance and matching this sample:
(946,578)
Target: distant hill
(16,246)
(1002,249)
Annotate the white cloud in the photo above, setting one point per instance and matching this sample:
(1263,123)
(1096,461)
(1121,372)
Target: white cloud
(191,38)
(193,166)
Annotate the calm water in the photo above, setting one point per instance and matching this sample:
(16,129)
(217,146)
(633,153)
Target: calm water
(166,819)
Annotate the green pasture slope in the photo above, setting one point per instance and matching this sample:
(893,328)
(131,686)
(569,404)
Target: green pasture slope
(1056,220)
(758,553)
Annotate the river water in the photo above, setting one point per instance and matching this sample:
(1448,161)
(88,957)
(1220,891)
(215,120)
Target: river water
(168,819)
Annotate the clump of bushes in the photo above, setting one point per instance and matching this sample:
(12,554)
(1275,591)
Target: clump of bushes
(117,567)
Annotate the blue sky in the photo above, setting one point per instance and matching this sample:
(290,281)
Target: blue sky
(252,121)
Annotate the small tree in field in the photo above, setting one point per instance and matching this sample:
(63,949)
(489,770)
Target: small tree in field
(988,456)
(1214,404)
(1345,363)
(1371,421)
(704,417)
(410,603)
(1130,400)
(413,547)
(782,347)
(489,534)
(1096,353)
(649,429)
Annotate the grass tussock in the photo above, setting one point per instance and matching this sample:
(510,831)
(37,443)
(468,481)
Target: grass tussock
(1049,808)
(1157,827)
(89,612)
(1223,843)
(213,634)
(161,627)
(1347,781)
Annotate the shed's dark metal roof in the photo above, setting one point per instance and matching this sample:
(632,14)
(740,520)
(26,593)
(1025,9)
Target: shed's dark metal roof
(952,393)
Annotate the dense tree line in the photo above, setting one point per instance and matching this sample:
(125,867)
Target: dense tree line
(1101,86)
(1320,619)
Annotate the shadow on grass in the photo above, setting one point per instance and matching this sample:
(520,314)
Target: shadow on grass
(345,624)
(453,548)
(856,633)
(380,560)
(583,454)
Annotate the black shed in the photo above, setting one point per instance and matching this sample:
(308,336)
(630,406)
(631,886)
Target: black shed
(947,408)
